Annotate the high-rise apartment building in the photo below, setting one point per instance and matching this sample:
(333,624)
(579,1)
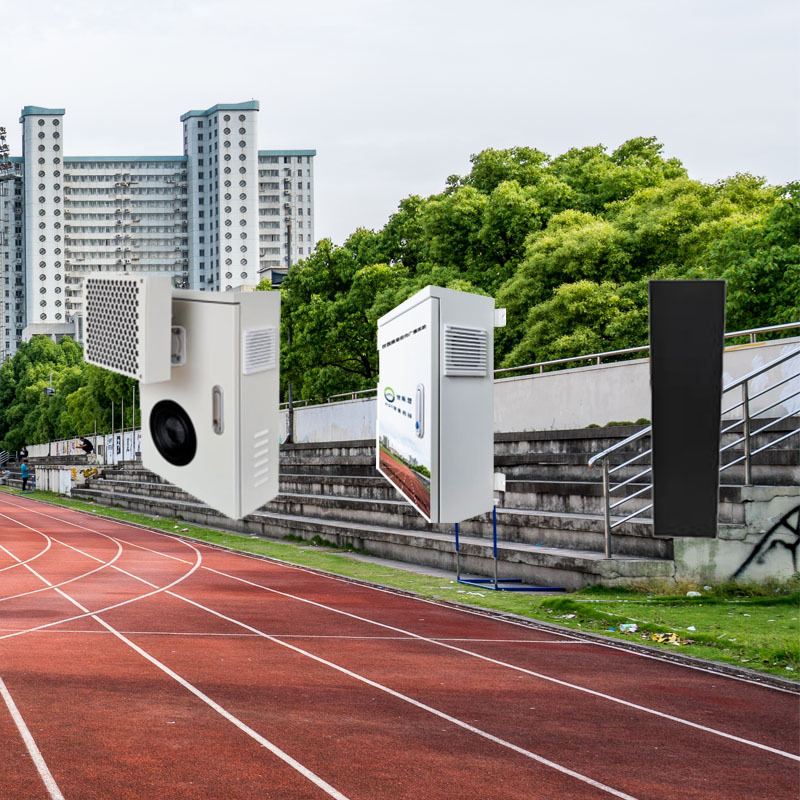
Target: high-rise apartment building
(222,215)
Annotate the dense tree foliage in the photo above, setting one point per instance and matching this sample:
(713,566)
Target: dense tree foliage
(567,245)
(83,394)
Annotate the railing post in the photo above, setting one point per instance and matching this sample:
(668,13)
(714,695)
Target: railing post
(458,555)
(606,509)
(748,469)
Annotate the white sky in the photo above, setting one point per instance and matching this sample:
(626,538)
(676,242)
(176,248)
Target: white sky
(395,95)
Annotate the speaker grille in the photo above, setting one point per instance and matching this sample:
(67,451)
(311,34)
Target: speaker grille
(465,351)
(259,350)
(113,331)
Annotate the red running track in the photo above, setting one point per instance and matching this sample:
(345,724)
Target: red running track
(137,665)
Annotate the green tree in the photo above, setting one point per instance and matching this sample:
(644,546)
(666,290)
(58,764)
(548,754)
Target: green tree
(583,317)
(326,303)
(760,260)
(525,165)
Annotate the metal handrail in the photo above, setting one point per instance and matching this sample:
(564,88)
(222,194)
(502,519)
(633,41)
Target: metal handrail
(540,365)
(746,438)
(751,332)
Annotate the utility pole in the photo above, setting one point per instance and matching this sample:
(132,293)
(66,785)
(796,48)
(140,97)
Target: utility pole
(287,192)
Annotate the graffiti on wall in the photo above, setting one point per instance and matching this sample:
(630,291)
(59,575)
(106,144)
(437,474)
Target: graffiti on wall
(783,535)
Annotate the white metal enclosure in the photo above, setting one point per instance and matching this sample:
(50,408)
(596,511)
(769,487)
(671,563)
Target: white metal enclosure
(435,393)
(228,389)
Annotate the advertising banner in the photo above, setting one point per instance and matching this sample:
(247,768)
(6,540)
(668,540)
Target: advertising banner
(407,439)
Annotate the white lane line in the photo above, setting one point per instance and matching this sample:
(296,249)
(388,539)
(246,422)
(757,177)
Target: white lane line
(418,704)
(453,720)
(516,668)
(440,643)
(32,558)
(264,742)
(303,636)
(531,625)
(444,643)
(274,749)
(33,750)
(156,589)
(103,565)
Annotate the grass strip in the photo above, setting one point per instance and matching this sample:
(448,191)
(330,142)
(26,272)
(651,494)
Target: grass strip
(746,625)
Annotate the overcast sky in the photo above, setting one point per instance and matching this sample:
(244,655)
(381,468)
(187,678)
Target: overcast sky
(395,95)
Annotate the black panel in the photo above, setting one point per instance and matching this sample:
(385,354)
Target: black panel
(687,327)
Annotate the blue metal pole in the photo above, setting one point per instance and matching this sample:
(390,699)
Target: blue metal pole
(494,542)
(458,556)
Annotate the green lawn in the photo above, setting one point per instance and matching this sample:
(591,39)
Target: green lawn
(753,626)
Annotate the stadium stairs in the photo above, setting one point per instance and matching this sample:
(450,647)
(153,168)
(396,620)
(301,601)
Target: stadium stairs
(549,519)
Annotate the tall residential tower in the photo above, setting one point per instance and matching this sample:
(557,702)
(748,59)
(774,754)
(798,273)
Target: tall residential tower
(222,215)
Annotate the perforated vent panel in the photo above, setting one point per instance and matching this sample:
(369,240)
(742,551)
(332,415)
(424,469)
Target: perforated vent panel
(259,350)
(113,324)
(465,351)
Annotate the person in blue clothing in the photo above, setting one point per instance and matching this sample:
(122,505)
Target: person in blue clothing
(25,475)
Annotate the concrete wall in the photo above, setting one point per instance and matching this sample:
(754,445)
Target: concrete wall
(765,547)
(571,398)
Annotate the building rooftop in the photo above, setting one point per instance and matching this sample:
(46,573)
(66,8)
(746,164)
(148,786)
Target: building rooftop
(250,105)
(39,111)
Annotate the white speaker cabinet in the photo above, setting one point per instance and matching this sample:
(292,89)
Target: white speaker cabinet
(208,371)
(212,429)
(128,324)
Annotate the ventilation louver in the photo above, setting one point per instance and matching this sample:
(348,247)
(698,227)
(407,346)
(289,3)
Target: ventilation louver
(127,325)
(465,351)
(259,350)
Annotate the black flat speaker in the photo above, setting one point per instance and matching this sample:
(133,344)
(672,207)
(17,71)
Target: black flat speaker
(687,332)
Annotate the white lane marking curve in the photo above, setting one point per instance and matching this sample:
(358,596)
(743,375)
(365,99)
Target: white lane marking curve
(28,560)
(50,539)
(156,589)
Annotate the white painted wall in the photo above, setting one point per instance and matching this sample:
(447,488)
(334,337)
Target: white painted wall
(570,398)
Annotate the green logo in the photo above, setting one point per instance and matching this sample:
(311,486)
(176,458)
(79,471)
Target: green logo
(388,393)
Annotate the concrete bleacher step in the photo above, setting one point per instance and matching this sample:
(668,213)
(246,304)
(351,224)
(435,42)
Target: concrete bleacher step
(544,564)
(542,528)
(552,506)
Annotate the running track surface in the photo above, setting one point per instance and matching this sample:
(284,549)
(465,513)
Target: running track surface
(137,665)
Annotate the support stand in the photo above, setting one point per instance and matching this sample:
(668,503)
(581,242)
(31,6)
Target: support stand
(496,585)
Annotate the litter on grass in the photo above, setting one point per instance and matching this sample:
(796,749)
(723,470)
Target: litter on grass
(666,638)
